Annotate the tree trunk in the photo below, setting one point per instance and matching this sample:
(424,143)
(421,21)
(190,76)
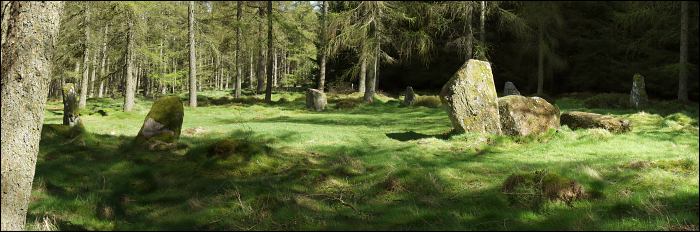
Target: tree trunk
(102,64)
(274,69)
(86,59)
(193,64)
(93,64)
(251,76)
(239,12)
(540,62)
(482,32)
(322,75)
(261,61)
(26,71)
(370,82)
(683,72)
(363,76)
(470,36)
(268,89)
(129,89)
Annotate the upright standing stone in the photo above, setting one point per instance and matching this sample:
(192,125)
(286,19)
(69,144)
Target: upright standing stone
(410,96)
(509,89)
(638,95)
(315,99)
(527,115)
(470,99)
(71,112)
(161,129)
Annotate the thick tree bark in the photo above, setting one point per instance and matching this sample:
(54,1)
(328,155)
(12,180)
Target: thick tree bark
(193,64)
(130,87)
(322,75)
(239,12)
(26,65)
(683,72)
(86,59)
(268,89)
(540,62)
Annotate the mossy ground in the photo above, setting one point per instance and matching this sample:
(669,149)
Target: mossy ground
(372,166)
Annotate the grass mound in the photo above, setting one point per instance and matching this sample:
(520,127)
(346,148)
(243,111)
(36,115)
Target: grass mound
(531,189)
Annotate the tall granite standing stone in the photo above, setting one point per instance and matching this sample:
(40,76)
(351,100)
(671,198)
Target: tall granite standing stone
(71,111)
(315,99)
(470,99)
(638,95)
(410,97)
(526,115)
(161,129)
(509,89)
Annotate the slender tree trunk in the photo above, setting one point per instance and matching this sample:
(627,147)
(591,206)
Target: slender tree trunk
(363,76)
(193,64)
(470,36)
(102,64)
(683,72)
(27,52)
(322,75)
(261,57)
(540,62)
(93,72)
(251,76)
(268,90)
(129,89)
(274,69)
(86,59)
(482,32)
(239,12)
(371,81)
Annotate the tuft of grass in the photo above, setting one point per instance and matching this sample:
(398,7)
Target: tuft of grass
(428,101)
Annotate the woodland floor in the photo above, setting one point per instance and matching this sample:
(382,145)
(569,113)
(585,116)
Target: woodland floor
(379,166)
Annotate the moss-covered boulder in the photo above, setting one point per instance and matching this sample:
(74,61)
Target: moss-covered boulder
(638,95)
(315,100)
(470,99)
(161,129)
(526,115)
(71,111)
(410,96)
(576,120)
(509,89)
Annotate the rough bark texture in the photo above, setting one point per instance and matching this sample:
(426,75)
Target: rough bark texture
(162,126)
(638,95)
(27,54)
(526,115)
(410,96)
(576,120)
(315,100)
(370,83)
(470,99)
(509,89)
(683,72)
(71,112)
(193,65)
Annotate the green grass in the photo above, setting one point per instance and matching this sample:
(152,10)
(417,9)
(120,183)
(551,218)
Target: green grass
(378,166)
